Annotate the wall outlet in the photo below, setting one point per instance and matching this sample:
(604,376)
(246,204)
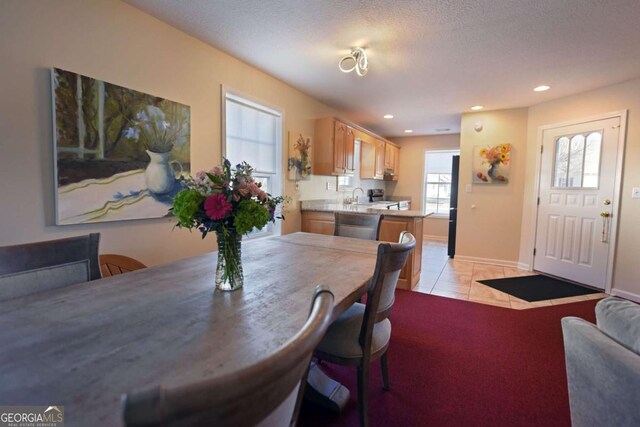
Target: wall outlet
(468,188)
(635,193)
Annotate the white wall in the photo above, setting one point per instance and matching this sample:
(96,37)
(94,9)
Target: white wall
(490,217)
(115,42)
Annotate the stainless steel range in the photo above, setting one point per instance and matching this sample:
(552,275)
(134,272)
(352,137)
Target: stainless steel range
(377,201)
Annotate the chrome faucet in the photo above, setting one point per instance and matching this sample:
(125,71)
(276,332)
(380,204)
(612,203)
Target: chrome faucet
(353,194)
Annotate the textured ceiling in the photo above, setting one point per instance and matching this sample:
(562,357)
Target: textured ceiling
(429,60)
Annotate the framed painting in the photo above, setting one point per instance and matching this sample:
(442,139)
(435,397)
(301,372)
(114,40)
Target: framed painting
(491,164)
(119,153)
(299,163)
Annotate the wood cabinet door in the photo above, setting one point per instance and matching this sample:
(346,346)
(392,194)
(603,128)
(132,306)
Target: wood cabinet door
(387,156)
(396,162)
(339,140)
(349,150)
(379,167)
(368,152)
(318,222)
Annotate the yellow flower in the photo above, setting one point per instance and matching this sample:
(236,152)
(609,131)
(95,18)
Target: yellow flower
(504,148)
(483,152)
(504,157)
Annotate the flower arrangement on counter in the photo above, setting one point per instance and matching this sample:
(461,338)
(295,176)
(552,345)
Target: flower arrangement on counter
(230,202)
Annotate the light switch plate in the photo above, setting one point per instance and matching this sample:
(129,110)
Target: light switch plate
(468,188)
(331,186)
(635,193)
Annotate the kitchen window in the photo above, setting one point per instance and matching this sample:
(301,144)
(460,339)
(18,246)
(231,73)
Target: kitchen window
(437,181)
(253,133)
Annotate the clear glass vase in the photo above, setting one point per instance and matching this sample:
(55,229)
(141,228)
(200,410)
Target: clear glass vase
(229,276)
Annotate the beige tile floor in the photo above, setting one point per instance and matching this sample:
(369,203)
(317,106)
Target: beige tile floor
(459,279)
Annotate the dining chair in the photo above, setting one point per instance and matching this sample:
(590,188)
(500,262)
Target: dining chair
(267,393)
(113,264)
(360,226)
(361,334)
(35,267)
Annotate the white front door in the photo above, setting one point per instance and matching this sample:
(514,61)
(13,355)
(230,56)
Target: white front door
(575,204)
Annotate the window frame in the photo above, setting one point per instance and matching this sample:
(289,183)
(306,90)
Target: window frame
(454,152)
(277,178)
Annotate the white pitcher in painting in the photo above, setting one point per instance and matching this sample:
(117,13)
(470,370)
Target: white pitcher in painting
(160,175)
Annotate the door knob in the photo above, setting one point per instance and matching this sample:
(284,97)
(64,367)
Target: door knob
(607,202)
(605,214)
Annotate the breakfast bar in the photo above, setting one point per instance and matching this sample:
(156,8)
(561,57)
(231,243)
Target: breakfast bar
(319,217)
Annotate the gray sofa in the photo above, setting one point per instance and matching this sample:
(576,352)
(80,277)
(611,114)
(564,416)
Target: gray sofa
(603,365)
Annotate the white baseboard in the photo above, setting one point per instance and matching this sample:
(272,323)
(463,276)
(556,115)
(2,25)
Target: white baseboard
(500,262)
(426,237)
(626,295)
(524,266)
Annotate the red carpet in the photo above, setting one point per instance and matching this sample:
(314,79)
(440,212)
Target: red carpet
(456,363)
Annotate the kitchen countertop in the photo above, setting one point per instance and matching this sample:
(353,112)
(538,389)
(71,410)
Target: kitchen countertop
(324,206)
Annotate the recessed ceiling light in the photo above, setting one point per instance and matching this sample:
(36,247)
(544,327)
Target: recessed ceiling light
(541,88)
(477,107)
(388,116)
(408,131)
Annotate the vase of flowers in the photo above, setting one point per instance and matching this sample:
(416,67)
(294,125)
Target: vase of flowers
(158,136)
(230,202)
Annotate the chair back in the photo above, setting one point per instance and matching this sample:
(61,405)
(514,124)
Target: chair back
(113,264)
(35,267)
(392,257)
(360,226)
(265,393)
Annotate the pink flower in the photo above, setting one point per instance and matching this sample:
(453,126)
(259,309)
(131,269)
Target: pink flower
(217,207)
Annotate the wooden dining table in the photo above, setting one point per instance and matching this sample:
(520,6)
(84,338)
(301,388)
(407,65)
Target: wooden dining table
(83,346)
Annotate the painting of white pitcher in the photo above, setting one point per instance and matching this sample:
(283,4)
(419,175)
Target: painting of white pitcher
(160,175)
(121,156)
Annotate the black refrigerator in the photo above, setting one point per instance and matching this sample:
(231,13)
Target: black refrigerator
(453,209)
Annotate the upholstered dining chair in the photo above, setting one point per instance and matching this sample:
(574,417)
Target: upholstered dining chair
(35,267)
(113,264)
(361,334)
(267,393)
(360,226)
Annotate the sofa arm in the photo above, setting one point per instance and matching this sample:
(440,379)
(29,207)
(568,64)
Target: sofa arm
(603,377)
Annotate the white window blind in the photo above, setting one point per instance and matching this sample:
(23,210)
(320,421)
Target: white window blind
(253,132)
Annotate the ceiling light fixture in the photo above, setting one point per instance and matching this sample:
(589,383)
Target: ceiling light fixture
(357,60)
(408,131)
(388,116)
(477,107)
(541,88)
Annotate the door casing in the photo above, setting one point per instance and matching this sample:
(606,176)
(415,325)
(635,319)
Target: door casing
(622,114)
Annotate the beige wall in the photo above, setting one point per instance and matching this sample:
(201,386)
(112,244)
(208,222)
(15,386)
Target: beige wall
(411,180)
(115,42)
(489,217)
(622,96)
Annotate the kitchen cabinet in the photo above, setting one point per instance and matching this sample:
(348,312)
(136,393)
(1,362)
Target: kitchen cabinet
(391,161)
(372,153)
(324,223)
(334,148)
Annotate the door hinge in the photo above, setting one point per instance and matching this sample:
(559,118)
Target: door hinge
(534,251)
(541,149)
(538,201)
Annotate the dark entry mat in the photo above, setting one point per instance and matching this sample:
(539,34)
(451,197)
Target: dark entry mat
(538,287)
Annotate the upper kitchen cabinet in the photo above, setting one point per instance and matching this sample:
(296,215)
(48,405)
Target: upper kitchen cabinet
(372,152)
(391,161)
(334,148)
